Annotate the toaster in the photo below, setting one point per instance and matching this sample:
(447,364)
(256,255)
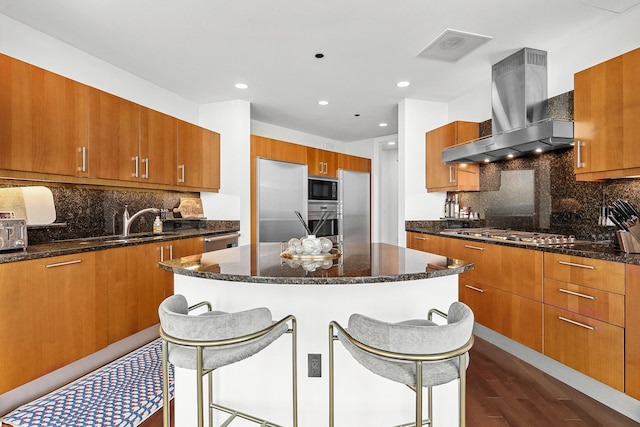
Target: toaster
(13,234)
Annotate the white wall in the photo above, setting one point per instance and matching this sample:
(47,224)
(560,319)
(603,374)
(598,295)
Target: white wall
(415,118)
(232,120)
(26,44)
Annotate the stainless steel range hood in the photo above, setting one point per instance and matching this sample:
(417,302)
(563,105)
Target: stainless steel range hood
(518,112)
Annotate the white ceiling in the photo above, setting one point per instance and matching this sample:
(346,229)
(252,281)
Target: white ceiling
(200,48)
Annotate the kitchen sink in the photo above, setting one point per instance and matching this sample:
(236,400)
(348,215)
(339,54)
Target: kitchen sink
(119,238)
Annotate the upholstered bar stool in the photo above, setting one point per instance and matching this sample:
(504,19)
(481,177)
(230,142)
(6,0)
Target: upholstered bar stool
(418,353)
(213,339)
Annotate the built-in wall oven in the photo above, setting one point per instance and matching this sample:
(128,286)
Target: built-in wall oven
(327,209)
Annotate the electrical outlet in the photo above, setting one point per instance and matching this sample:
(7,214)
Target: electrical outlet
(315,365)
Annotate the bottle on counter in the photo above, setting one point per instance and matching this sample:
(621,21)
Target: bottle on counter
(157,225)
(456,206)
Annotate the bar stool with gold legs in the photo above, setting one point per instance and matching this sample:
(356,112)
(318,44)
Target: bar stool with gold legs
(418,353)
(214,339)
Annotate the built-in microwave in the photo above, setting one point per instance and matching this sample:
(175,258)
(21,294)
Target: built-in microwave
(323,189)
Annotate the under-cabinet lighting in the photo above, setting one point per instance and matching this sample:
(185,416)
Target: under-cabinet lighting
(509,156)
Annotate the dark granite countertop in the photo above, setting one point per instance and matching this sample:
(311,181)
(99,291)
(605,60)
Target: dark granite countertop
(588,250)
(359,263)
(89,244)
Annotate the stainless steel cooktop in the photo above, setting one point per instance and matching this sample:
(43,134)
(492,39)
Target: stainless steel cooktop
(513,236)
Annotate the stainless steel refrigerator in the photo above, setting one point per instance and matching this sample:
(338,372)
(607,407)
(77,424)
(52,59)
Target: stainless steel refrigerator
(354,206)
(281,190)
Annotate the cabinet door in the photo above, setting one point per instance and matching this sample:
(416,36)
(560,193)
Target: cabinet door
(51,316)
(592,347)
(114,137)
(135,288)
(158,147)
(322,162)
(632,332)
(198,157)
(453,177)
(277,150)
(598,117)
(424,242)
(44,121)
(511,315)
(186,247)
(593,273)
(631,110)
(354,163)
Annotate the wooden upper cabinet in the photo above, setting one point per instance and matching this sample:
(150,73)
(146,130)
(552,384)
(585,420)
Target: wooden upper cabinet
(277,150)
(198,157)
(354,163)
(322,162)
(606,111)
(451,177)
(43,120)
(158,147)
(114,129)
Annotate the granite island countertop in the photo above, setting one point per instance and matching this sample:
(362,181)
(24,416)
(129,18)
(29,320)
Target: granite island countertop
(358,264)
(592,250)
(89,244)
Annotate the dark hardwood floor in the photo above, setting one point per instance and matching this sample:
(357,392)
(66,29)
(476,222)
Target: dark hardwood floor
(504,391)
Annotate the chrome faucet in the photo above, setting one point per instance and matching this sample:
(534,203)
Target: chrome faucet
(127,220)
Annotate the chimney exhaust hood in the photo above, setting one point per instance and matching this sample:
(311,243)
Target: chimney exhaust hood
(518,112)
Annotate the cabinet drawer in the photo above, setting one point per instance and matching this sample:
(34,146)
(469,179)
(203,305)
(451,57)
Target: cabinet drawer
(508,314)
(600,305)
(592,347)
(424,242)
(594,273)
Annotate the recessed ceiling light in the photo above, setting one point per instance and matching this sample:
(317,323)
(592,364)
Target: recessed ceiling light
(382,125)
(323,102)
(403,84)
(510,156)
(241,86)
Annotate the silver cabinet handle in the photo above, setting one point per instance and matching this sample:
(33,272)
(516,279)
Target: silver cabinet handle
(577,294)
(474,247)
(572,264)
(170,251)
(420,238)
(61,264)
(451,180)
(321,168)
(473,288)
(161,253)
(579,163)
(146,168)
(573,322)
(137,163)
(83,150)
(181,179)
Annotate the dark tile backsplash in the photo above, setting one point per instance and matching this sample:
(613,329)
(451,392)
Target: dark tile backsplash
(540,193)
(85,211)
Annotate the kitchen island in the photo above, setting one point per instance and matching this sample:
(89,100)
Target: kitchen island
(383,281)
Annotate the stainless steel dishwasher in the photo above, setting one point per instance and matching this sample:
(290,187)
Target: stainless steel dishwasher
(221,241)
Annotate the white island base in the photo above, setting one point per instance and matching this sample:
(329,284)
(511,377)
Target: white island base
(261,385)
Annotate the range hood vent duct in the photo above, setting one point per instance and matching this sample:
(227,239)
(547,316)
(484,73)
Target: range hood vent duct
(518,113)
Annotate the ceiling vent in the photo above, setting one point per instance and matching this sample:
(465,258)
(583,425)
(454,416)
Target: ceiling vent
(452,45)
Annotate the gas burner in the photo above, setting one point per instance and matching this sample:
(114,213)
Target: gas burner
(514,236)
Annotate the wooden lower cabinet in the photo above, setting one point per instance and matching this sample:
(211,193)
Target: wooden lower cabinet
(509,314)
(587,345)
(424,242)
(53,313)
(632,332)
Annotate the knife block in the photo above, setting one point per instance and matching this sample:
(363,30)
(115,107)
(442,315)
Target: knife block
(628,242)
